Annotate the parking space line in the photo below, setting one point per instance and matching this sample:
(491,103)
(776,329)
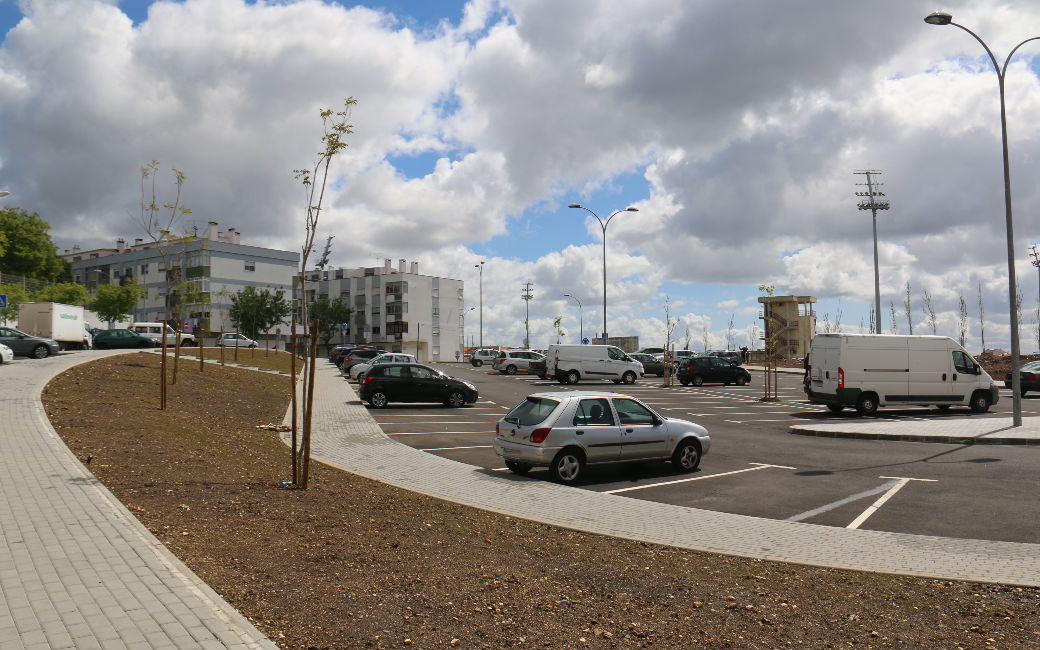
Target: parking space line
(900,482)
(758,466)
(837,504)
(454,448)
(436,433)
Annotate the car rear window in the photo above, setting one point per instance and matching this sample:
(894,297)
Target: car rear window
(532,411)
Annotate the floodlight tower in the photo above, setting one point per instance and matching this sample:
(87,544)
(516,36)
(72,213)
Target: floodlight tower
(527,295)
(873,203)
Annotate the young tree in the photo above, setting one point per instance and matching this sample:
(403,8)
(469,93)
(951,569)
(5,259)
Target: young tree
(258,310)
(729,332)
(669,327)
(330,314)
(27,248)
(115,302)
(837,317)
(892,308)
(687,337)
(982,319)
(962,323)
(907,309)
(929,309)
(704,338)
(69,293)
(558,326)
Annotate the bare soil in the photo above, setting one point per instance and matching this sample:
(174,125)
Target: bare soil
(352,563)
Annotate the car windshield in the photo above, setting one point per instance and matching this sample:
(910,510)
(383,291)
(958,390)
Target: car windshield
(532,411)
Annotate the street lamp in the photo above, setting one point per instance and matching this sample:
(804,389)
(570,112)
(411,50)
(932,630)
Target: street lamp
(581,322)
(942,18)
(3,193)
(603,225)
(873,204)
(481,267)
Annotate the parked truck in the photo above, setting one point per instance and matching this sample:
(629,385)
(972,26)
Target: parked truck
(54,320)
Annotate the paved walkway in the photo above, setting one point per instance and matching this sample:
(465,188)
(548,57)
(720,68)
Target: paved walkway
(77,569)
(346,436)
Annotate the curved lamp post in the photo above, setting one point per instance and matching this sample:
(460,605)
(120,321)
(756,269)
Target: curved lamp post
(942,18)
(603,225)
(581,321)
(481,267)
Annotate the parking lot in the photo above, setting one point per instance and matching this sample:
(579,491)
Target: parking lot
(757,467)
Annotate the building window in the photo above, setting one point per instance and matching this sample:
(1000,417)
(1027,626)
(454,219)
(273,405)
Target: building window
(144,269)
(375,330)
(250,265)
(436,311)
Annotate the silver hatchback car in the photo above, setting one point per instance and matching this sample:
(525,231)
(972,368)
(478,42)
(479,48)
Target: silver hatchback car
(565,431)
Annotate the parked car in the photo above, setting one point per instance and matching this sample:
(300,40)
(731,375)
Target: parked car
(27,345)
(682,355)
(1028,377)
(6,354)
(510,362)
(413,382)
(701,370)
(358,370)
(121,338)
(729,355)
(154,331)
(652,365)
(338,357)
(354,357)
(566,431)
(234,340)
(538,367)
(482,356)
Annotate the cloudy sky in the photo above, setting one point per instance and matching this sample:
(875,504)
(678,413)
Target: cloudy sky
(735,129)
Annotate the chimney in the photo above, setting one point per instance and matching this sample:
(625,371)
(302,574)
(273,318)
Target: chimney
(400,265)
(66,251)
(120,243)
(386,264)
(211,232)
(415,268)
(75,248)
(138,241)
(234,235)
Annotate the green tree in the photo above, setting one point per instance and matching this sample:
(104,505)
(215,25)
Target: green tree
(115,302)
(257,310)
(330,313)
(69,293)
(558,325)
(16,294)
(26,247)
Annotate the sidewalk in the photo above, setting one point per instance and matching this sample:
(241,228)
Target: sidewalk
(345,436)
(77,569)
(972,430)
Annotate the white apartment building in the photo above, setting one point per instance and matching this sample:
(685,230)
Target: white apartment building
(214,264)
(397,309)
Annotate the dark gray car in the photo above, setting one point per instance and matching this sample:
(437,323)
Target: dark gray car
(652,365)
(27,345)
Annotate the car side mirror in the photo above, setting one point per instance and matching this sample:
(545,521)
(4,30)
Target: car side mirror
(657,421)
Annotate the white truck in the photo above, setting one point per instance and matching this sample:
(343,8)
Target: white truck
(866,371)
(569,364)
(54,320)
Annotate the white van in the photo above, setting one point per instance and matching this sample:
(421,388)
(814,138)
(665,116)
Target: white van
(871,370)
(154,332)
(569,364)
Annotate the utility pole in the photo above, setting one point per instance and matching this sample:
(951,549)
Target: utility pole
(872,203)
(526,295)
(1035,254)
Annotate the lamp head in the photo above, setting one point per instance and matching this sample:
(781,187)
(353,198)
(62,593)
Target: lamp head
(574,205)
(938,18)
(631,209)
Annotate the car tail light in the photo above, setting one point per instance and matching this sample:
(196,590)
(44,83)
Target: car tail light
(497,431)
(1032,376)
(841,378)
(539,435)
(368,378)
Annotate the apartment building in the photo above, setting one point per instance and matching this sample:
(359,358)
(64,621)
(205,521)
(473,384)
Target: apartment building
(204,270)
(396,308)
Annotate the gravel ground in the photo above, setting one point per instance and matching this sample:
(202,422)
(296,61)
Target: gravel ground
(351,563)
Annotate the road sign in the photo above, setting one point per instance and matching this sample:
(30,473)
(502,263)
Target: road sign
(3,301)
(585,341)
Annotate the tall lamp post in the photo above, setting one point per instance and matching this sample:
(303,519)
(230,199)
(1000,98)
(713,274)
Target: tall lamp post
(481,267)
(581,322)
(872,203)
(603,225)
(942,18)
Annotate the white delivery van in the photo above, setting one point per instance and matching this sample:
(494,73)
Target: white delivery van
(871,370)
(154,331)
(569,364)
(54,320)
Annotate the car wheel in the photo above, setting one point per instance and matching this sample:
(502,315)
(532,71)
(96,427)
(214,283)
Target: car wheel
(573,377)
(698,380)
(687,456)
(40,352)
(943,407)
(835,408)
(628,378)
(1022,392)
(567,467)
(510,370)
(455,399)
(477,363)
(378,400)
(980,402)
(517,467)
(252,346)
(684,382)
(741,380)
(867,405)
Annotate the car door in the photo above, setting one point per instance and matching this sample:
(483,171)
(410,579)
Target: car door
(643,435)
(14,340)
(396,383)
(426,385)
(723,371)
(596,430)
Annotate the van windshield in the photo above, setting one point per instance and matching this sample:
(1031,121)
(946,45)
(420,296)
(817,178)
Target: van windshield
(531,411)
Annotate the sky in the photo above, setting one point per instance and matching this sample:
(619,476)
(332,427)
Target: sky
(734,128)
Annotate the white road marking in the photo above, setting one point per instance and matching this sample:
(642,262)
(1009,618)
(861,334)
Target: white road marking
(900,482)
(437,433)
(454,448)
(700,478)
(837,504)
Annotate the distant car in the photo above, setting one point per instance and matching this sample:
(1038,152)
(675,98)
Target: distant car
(652,365)
(27,345)
(155,331)
(360,369)
(538,367)
(701,370)
(122,338)
(565,431)
(354,357)
(729,355)
(413,382)
(1028,377)
(482,356)
(233,340)
(6,354)
(338,356)
(510,362)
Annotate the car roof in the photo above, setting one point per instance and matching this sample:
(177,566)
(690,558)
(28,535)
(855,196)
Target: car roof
(563,394)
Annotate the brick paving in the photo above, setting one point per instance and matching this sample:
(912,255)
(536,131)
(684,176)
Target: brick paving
(77,569)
